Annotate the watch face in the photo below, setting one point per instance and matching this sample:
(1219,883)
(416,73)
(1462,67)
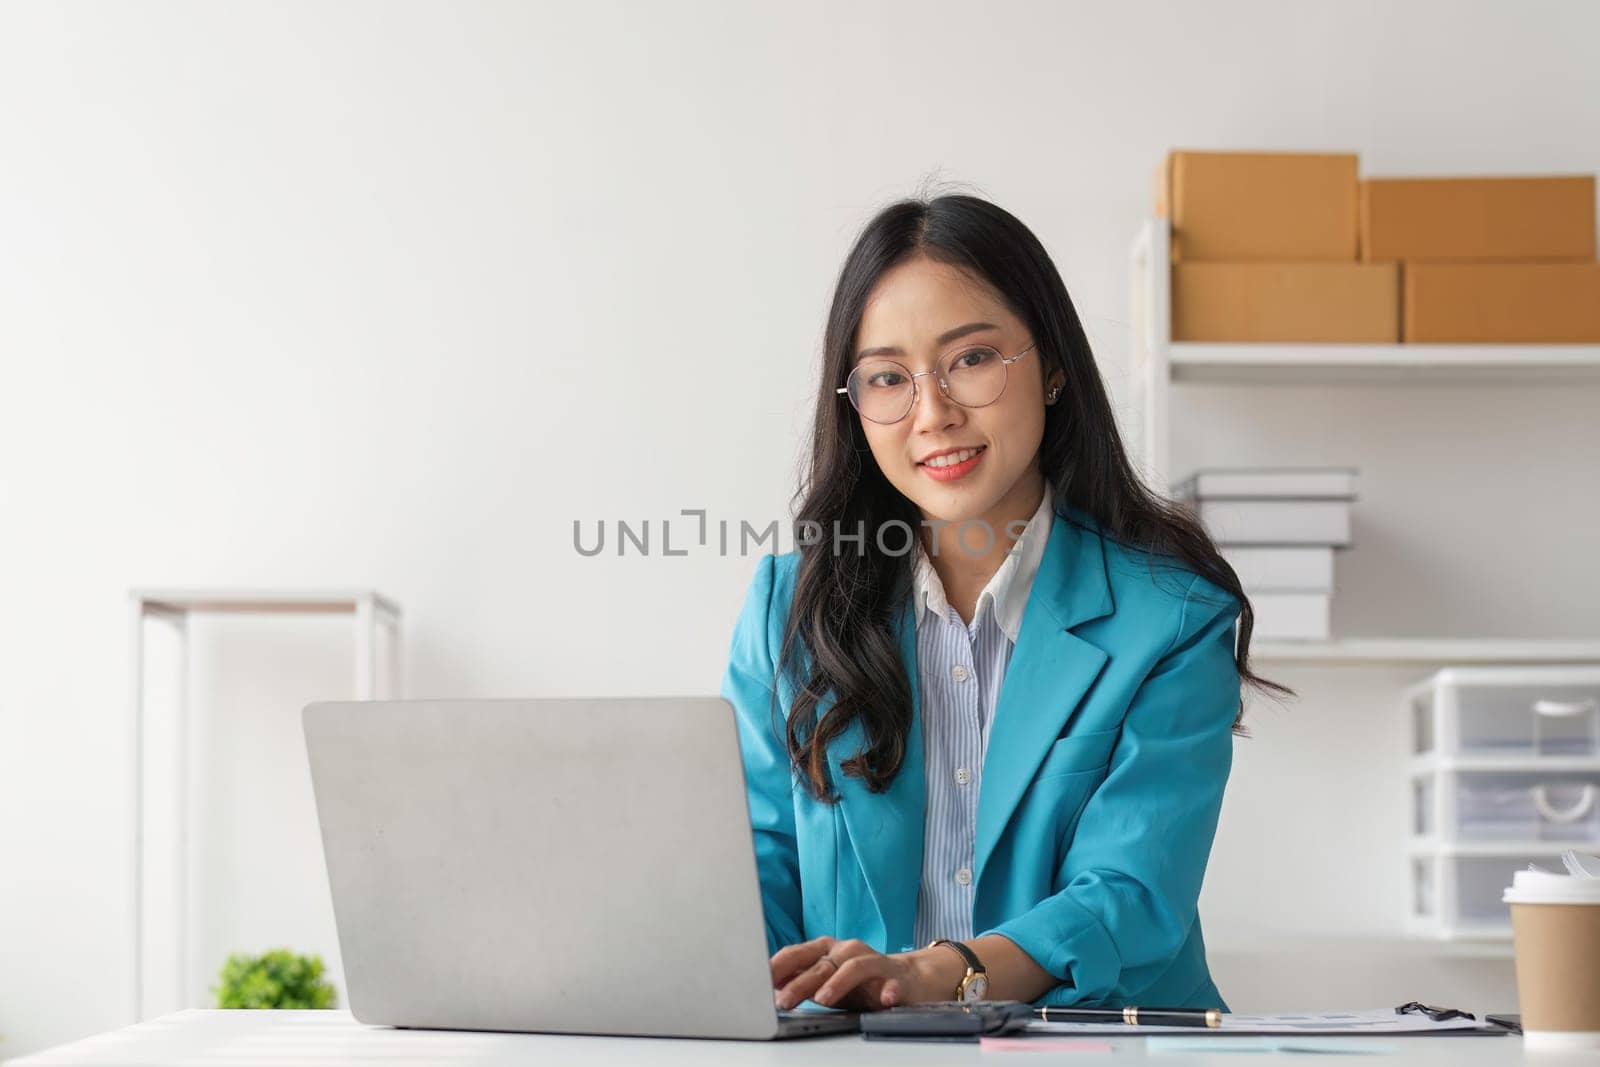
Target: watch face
(975,988)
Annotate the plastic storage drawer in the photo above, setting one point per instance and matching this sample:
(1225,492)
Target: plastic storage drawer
(1527,806)
(1545,711)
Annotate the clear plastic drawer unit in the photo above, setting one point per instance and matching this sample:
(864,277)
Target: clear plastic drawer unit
(1512,711)
(1505,772)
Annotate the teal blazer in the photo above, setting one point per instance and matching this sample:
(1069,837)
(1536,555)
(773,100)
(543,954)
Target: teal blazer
(1101,788)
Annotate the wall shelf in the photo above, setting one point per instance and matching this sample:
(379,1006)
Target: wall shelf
(1323,364)
(1426,765)
(1496,849)
(272,601)
(1159,362)
(1427,651)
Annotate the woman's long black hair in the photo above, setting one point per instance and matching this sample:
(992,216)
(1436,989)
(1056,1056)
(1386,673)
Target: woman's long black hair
(842,614)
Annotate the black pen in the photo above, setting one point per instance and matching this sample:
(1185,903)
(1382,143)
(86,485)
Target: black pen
(1205,1018)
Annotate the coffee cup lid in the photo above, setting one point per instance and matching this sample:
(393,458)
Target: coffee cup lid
(1543,887)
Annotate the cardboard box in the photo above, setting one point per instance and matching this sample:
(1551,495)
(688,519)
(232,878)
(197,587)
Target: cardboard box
(1286,302)
(1502,302)
(1258,206)
(1484,219)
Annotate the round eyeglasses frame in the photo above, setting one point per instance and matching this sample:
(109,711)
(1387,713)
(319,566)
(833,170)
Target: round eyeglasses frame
(944,386)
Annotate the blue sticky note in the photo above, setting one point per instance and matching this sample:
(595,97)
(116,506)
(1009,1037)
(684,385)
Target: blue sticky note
(1338,1046)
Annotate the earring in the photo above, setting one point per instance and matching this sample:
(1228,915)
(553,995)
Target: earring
(1050,397)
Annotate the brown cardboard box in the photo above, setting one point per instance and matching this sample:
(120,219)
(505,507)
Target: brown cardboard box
(1504,302)
(1286,302)
(1477,218)
(1259,206)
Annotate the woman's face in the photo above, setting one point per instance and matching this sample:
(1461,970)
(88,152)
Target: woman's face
(919,313)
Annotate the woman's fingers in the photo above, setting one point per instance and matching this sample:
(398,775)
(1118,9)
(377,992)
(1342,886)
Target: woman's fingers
(793,960)
(858,979)
(803,985)
(823,970)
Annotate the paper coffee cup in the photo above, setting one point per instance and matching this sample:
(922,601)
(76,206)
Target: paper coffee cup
(1555,929)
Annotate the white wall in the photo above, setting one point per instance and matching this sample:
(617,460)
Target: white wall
(389,294)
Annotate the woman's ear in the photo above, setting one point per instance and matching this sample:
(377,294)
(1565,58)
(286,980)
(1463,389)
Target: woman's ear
(1053,387)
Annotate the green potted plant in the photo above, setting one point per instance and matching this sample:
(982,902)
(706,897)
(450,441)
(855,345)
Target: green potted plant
(275,979)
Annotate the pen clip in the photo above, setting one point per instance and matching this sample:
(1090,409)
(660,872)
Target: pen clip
(1438,1015)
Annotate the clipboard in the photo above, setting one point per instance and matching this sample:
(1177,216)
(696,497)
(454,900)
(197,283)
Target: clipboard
(1413,1019)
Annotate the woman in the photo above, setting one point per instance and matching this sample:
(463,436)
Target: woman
(987,713)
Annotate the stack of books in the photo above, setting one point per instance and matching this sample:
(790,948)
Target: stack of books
(1277,527)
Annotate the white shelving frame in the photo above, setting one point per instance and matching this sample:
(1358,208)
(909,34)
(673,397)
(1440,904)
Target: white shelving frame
(369,609)
(1159,363)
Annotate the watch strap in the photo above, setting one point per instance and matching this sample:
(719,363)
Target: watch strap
(974,964)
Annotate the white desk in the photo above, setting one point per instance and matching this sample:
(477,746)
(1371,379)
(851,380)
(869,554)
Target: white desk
(333,1039)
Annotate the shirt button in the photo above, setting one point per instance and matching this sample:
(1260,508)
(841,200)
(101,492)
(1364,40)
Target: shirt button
(963,876)
(959,673)
(963,776)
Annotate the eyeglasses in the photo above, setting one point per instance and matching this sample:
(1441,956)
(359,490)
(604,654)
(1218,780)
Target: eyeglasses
(884,391)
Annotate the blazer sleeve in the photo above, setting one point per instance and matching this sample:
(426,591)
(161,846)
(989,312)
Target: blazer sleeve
(1131,876)
(769,783)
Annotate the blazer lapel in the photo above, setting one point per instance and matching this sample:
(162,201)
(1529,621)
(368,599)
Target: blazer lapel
(1050,670)
(886,828)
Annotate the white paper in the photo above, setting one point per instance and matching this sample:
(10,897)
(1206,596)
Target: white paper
(1364,1021)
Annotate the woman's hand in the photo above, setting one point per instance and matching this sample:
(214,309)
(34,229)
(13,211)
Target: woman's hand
(850,974)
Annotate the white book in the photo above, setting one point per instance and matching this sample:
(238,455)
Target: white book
(1302,483)
(1275,568)
(1277,522)
(1290,616)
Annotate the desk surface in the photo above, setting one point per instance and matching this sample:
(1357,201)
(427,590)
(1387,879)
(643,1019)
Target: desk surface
(202,1038)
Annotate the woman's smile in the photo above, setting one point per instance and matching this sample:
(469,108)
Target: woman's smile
(951,464)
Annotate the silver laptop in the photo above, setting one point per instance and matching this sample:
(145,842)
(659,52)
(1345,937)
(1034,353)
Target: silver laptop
(571,866)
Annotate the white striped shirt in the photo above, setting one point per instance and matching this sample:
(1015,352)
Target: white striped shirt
(960,669)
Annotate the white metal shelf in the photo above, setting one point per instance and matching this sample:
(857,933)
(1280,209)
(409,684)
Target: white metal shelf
(1424,765)
(1426,651)
(1432,846)
(270,601)
(1321,364)
(1159,362)
(370,611)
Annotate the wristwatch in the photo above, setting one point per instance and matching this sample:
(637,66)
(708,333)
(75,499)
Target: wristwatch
(975,983)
